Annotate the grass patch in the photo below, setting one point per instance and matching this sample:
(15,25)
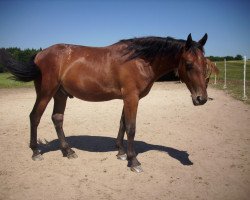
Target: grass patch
(234,79)
(5,82)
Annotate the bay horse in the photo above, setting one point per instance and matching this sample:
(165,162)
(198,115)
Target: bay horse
(125,70)
(211,69)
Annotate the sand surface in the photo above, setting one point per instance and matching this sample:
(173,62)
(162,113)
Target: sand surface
(186,152)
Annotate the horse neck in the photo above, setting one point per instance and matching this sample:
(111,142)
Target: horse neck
(164,65)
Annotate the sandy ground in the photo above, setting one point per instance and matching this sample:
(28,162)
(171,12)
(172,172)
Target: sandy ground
(186,152)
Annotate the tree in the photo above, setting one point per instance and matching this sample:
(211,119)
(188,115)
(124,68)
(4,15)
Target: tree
(215,58)
(238,57)
(4,56)
(228,58)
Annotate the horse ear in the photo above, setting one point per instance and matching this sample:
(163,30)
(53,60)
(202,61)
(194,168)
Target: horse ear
(203,40)
(189,42)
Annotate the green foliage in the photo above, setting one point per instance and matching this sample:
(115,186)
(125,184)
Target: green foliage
(228,58)
(215,58)
(23,56)
(238,57)
(14,51)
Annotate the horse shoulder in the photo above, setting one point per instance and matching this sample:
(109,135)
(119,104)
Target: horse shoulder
(136,76)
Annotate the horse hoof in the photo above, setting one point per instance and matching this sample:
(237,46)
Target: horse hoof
(137,169)
(122,157)
(37,157)
(72,156)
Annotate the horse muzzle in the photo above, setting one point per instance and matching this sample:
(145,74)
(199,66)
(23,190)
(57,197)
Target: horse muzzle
(199,100)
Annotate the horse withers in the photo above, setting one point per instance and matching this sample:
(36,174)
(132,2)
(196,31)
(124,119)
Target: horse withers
(125,70)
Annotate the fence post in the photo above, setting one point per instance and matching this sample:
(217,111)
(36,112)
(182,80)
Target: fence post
(244,79)
(215,77)
(225,74)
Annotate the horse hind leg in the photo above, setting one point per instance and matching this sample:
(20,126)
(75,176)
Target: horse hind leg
(35,116)
(60,100)
(45,91)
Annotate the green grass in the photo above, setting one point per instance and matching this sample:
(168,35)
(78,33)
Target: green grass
(234,79)
(5,82)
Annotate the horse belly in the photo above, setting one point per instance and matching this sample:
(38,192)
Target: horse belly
(90,87)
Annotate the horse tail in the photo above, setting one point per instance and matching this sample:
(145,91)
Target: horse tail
(21,72)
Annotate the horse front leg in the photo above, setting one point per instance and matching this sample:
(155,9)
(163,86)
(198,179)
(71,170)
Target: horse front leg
(119,141)
(130,111)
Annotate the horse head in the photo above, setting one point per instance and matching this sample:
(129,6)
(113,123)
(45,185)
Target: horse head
(192,69)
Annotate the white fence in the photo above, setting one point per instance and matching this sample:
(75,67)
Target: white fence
(244,96)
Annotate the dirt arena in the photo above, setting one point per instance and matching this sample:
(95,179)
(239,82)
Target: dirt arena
(186,152)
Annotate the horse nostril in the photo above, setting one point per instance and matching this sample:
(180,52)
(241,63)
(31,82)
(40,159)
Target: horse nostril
(199,98)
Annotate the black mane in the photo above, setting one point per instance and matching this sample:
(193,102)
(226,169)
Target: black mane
(150,47)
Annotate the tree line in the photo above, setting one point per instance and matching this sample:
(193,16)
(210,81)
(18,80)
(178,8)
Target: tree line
(18,54)
(22,55)
(228,58)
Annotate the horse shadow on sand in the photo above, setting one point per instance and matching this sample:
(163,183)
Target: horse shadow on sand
(107,144)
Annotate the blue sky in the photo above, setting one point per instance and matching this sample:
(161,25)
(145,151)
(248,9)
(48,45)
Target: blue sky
(37,23)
